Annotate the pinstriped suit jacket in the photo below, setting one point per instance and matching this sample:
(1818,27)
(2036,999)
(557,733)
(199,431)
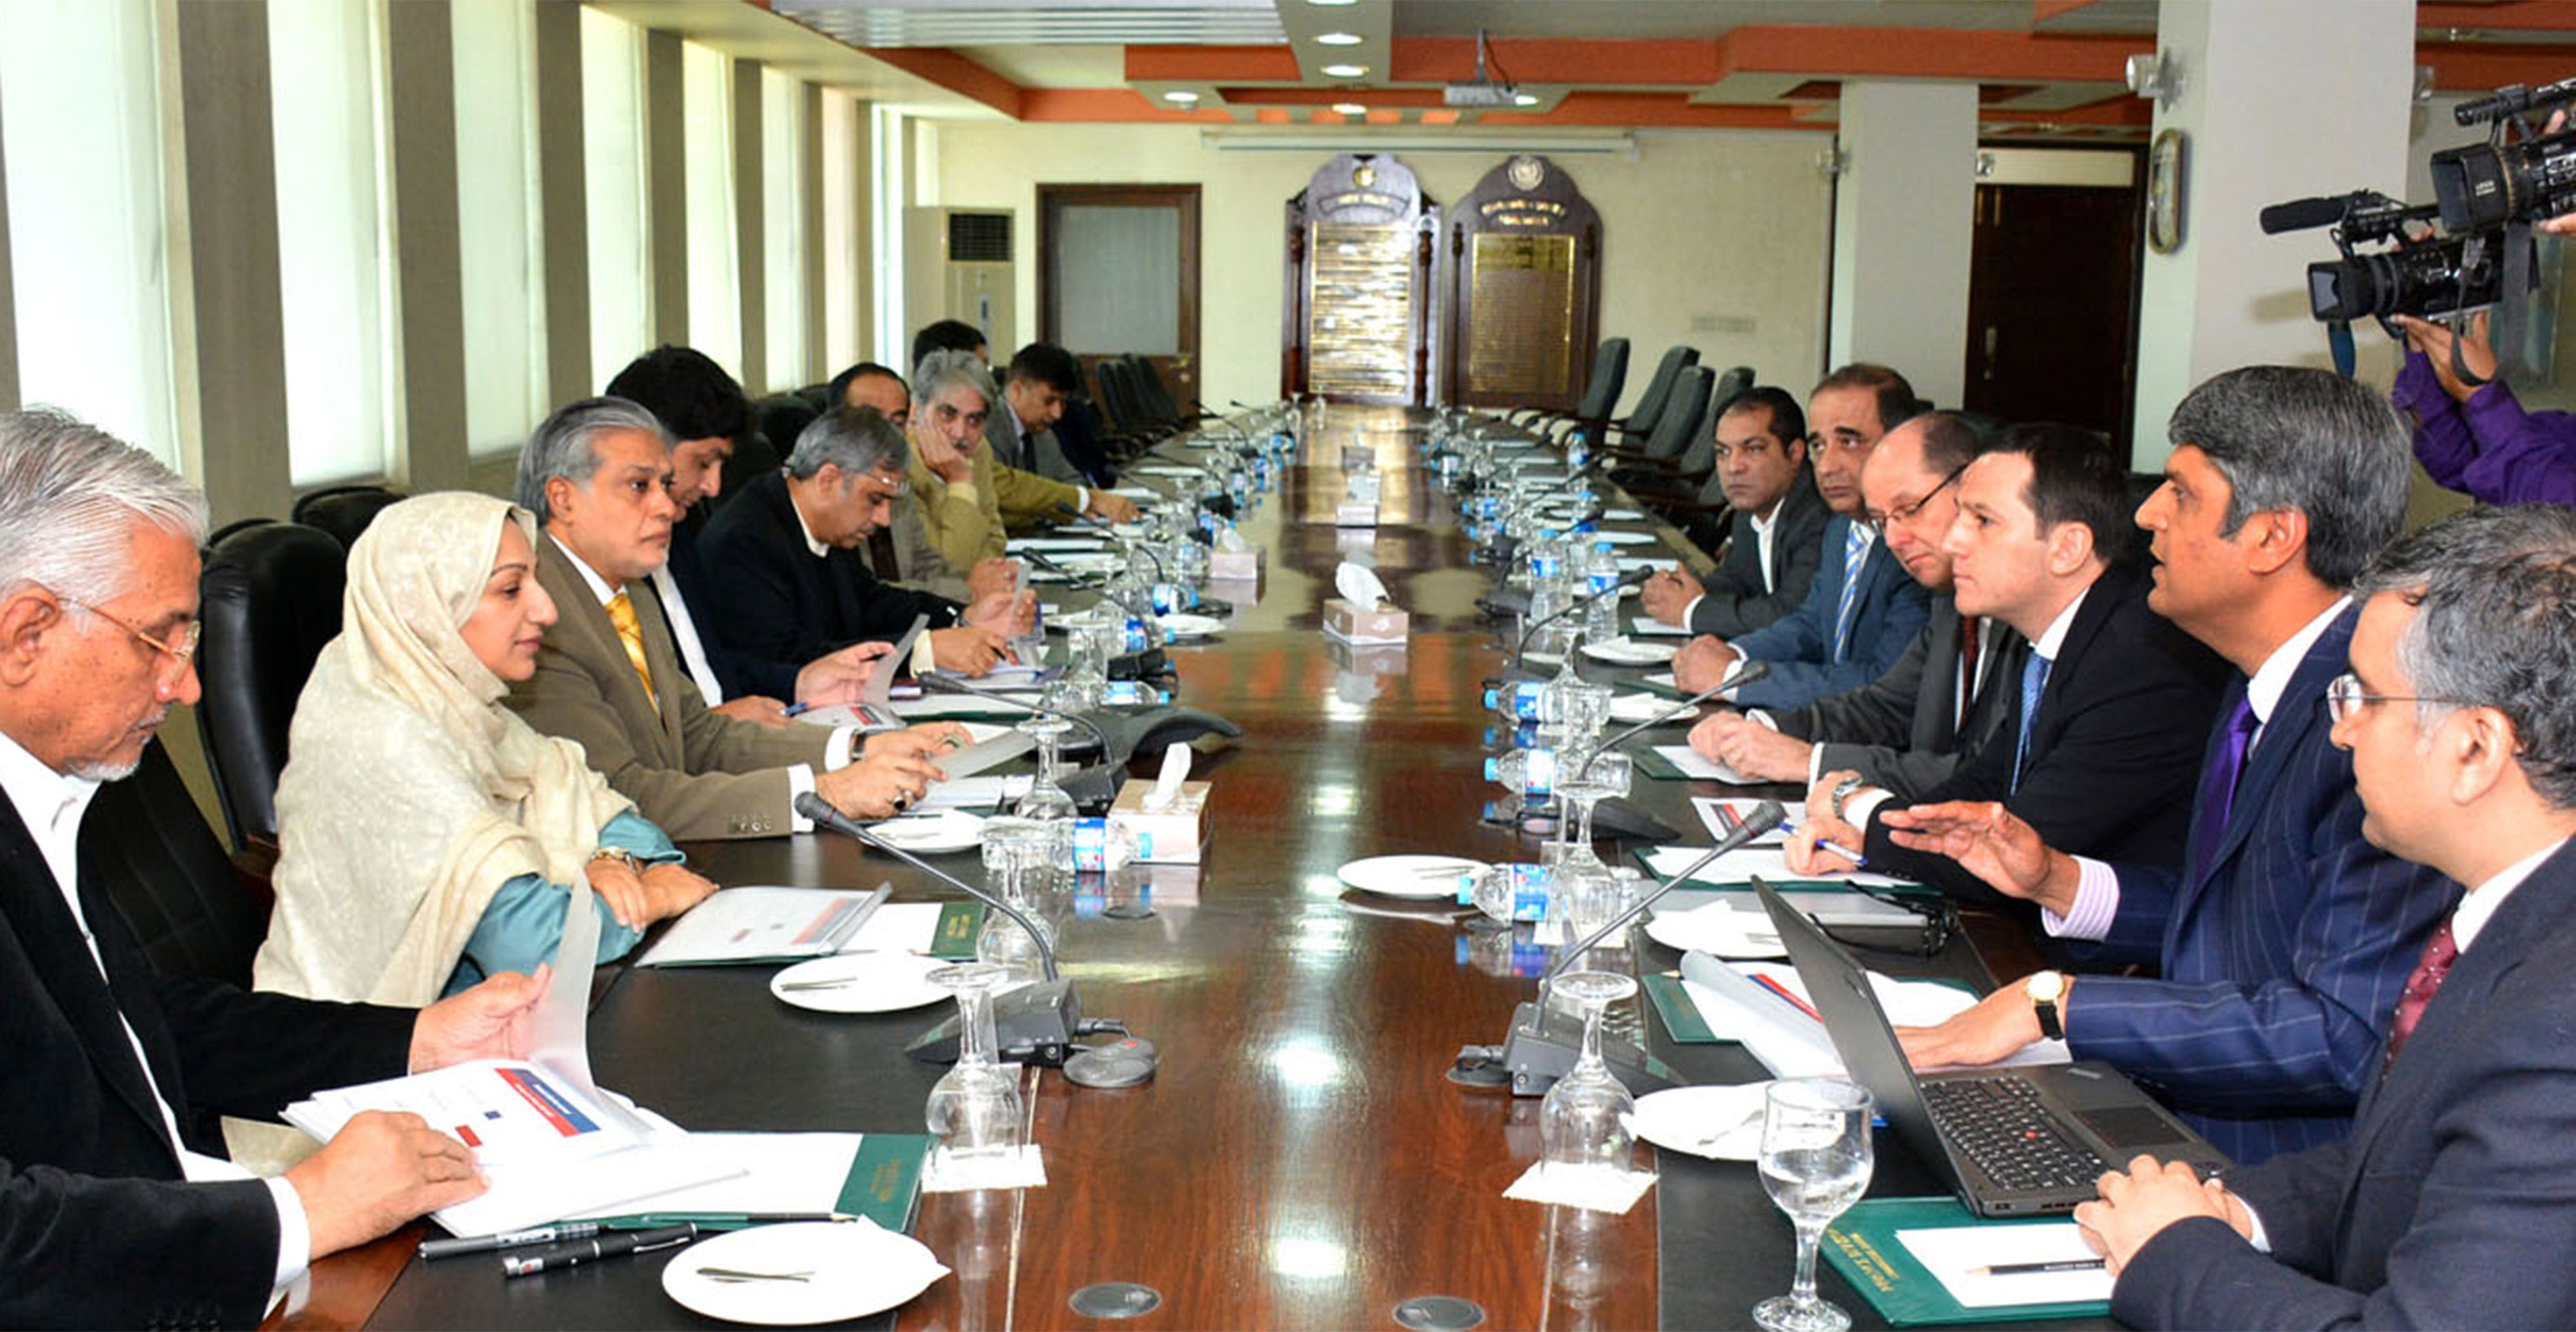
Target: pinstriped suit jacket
(2282,958)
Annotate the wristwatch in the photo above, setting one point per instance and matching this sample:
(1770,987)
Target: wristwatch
(2047,989)
(623,857)
(1844,790)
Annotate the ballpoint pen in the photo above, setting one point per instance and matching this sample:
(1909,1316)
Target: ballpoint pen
(613,1244)
(2035,1269)
(515,1239)
(795,709)
(716,1220)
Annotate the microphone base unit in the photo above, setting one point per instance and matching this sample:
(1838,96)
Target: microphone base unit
(1544,1046)
(1034,1024)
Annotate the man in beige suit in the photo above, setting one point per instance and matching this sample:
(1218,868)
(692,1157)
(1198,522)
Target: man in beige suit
(597,475)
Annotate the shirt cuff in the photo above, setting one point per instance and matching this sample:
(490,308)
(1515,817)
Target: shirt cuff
(923,662)
(2261,1239)
(1082,499)
(842,749)
(1691,610)
(1856,811)
(2097,900)
(800,781)
(1759,715)
(294,1232)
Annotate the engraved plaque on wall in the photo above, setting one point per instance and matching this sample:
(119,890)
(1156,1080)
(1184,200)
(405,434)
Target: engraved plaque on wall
(1359,284)
(1523,266)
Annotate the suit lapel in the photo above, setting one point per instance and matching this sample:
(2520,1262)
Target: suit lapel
(2296,720)
(44,927)
(588,638)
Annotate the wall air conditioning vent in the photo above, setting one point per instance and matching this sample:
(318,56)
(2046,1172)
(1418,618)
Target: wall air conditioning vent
(979,238)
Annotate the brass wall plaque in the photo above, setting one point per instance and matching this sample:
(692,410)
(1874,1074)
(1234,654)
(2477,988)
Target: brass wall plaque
(1525,287)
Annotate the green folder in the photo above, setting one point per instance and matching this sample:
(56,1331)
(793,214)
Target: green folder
(1648,763)
(1682,1020)
(959,924)
(1863,1247)
(884,1184)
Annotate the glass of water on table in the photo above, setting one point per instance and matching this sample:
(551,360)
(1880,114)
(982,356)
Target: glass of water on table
(1816,1160)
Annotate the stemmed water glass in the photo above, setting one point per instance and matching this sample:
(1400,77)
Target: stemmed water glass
(1816,1157)
(1021,859)
(1583,1124)
(1046,798)
(1586,779)
(974,1112)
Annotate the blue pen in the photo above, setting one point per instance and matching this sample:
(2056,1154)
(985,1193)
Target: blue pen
(795,709)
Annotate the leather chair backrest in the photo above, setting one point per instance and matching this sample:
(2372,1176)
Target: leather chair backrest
(1683,409)
(755,455)
(1609,376)
(1127,398)
(782,417)
(168,877)
(1649,411)
(1157,399)
(270,598)
(1727,389)
(345,511)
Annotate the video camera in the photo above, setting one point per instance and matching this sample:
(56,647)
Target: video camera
(2495,184)
(2420,275)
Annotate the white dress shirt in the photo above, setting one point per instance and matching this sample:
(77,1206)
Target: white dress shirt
(1763,526)
(52,806)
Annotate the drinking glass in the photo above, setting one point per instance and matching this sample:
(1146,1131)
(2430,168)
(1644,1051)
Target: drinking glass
(974,1112)
(1586,779)
(1815,1162)
(1046,798)
(1583,1124)
(1021,859)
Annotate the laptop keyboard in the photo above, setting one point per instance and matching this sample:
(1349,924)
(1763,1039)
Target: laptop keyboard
(1999,1124)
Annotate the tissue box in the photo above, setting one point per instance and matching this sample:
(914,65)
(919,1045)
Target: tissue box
(1174,834)
(1355,513)
(1244,565)
(1351,624)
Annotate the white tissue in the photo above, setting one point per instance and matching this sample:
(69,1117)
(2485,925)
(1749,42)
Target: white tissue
(1359,586)
(1167,786)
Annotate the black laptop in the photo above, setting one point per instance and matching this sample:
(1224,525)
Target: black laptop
(2011,1141)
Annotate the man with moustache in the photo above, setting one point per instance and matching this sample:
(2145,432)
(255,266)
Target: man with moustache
(1772,548)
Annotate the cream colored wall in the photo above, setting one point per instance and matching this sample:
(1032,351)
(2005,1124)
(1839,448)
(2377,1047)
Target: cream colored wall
(1714,238)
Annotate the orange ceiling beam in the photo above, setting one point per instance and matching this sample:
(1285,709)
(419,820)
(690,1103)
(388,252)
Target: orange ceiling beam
(2121,110)
(1650,111)
(2459,68)
(1421,97)
(956,73)
(1212,64)
(1108,105)
(1927,53)
(1563,60)
(2513,15)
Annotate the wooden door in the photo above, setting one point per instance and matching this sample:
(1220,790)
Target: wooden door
(1118,272)
(2053,306)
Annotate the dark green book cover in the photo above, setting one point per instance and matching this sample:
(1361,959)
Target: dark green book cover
(885,1178)
(1863,1247)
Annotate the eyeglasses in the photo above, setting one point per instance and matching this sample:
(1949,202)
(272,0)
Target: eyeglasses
(2344,697)
(183,652)
(1906,514)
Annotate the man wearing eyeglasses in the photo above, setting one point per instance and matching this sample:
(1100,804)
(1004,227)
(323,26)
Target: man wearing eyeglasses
(1907,730)
(2284,941)
(2448,1206)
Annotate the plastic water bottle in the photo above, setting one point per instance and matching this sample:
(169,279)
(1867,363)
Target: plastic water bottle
(1600,581)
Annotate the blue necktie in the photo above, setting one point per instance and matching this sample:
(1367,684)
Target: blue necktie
(2217,800)
(1855,550)
(2034,681)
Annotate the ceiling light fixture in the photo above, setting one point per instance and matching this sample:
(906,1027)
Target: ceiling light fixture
(1345,71)
(1332,4)
(1524,99)
(1350,108)
(1340,39)
(1181,95)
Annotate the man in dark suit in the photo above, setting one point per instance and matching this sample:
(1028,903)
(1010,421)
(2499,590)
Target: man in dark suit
(2112,699)
(2450,1203)
(1772,547)
(116,1207)
(1907,730)
(1861,611)
(1042,377)
(2281,946)
(791,573)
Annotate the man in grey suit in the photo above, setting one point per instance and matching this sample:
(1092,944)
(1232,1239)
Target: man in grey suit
(1906,730)
(1772,549)
(2449,1204)
(597,475)
(1022,432)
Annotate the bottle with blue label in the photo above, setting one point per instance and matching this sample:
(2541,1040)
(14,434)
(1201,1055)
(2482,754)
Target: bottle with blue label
(1600,581)
(1518,700)
(1529,772)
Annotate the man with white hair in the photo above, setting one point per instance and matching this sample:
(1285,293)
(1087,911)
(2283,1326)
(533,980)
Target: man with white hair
(116,1207)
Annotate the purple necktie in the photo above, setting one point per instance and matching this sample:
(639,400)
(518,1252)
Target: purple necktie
(2218,784)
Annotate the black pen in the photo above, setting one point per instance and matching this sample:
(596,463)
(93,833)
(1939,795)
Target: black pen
(616,1244)
(515,1239)
(2035,1269)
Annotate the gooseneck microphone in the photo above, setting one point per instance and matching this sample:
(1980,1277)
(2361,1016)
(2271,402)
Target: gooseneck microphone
(1036,1022)
(936,684)
(1750,672)
(1632,578)
(1537,1052)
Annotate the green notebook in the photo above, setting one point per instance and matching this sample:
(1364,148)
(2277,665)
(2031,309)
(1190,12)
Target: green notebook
(1682,1020)
(1863,1247)
(959,924)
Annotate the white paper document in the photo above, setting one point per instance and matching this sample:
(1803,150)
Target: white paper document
(900,927)
(1765,1006)
(975,792)
(1647,626)
(937,707)
(764,924)
(780,1172)
(1695,764)
(1960,1257)
(1742,863)
(1722,815)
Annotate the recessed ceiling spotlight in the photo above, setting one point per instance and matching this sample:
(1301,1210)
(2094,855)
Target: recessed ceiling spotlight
(1345,71)
(1340,39)
(1331,4)
(1181,95)
(1350,108)
(1525,99)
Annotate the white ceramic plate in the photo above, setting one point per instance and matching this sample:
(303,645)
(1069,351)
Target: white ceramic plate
(877,982)
(1624,651)
(1421,877)
(1704,1121)
(854,1268)
(1166,469)
(1620,538)
(1719,931)
(933,834)
(1634,708)
(1192,626)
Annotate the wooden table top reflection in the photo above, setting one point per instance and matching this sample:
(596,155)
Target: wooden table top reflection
(1301,1159)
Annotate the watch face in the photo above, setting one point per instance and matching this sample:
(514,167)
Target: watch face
(2045,987)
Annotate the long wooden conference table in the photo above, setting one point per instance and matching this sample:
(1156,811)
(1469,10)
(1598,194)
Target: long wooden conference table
(1302,1160)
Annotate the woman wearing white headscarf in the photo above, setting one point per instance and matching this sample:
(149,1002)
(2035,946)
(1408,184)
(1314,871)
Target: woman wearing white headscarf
(427,835)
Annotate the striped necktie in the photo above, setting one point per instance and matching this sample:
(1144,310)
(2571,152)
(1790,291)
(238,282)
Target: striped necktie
(630,631)
(1855,551)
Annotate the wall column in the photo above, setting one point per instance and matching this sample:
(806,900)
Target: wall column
(2231,296)
(420,46)
(1904,211)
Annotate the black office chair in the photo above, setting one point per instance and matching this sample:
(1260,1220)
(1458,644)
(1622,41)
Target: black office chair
(345,511)
(1600,394)
(148,847)
(1649,411)
(1678,421)
(269,599)
(1149,381)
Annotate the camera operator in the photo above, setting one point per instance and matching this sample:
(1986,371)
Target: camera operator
(2480,441)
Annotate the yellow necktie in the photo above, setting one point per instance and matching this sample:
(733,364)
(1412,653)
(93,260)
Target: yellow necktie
(621,612)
